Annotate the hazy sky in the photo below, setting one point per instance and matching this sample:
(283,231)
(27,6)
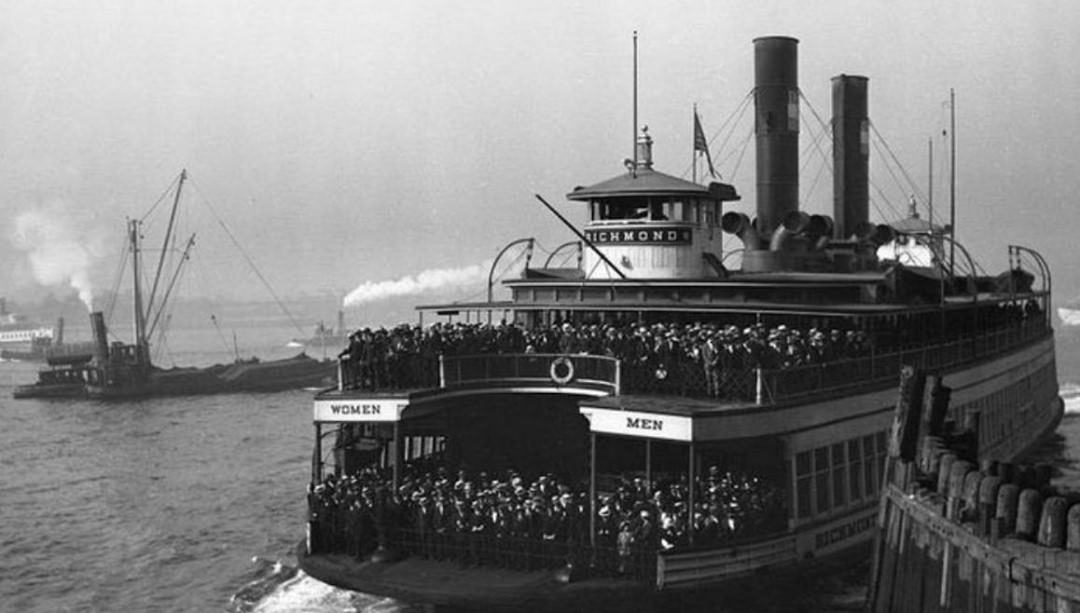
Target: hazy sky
(353,142)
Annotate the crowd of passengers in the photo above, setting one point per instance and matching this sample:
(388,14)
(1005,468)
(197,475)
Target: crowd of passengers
(467,516)
(382,358)
(405,356)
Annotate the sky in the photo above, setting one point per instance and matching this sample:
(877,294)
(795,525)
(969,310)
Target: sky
(350,144)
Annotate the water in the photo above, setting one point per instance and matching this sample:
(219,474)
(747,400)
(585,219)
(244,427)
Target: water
(197,504)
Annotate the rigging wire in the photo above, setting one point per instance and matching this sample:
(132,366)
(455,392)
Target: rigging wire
(742,152)
(247,258)
(157,202)
(115,290)
(728,126)
(914,186)
(813,184)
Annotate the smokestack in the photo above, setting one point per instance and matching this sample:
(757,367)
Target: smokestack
(851,155)
(59,340)
(101,341)
(776,96)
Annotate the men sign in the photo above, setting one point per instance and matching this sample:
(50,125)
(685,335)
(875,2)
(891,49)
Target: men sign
(636,423)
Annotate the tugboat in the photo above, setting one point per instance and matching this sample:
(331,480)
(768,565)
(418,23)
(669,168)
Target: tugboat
(652,426)
(121,370)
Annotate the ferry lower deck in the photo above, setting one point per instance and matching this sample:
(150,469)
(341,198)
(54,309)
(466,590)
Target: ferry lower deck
(565,468)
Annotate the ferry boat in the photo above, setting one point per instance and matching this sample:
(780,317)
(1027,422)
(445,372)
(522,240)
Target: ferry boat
(652,425)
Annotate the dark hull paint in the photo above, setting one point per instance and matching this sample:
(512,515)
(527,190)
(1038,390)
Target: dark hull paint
(273,376)
(453,587)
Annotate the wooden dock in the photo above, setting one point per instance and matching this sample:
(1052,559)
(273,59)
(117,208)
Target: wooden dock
(959,537)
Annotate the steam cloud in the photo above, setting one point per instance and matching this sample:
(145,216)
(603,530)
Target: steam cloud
(57,253)
(435,278)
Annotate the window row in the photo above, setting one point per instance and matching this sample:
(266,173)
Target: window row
(834,476)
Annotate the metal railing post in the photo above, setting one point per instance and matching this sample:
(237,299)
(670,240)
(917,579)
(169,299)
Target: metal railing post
(759,388)
(618,377)
(442,372)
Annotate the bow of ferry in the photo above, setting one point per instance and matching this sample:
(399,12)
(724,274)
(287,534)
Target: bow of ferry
(772,458)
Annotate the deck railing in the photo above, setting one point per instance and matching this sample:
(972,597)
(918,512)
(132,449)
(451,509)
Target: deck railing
(830,377)
(590,370)
(341,535)
(680,376)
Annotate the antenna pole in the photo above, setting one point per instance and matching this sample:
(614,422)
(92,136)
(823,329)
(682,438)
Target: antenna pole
(952,181)
(693,149)
(930,198)
(633,169)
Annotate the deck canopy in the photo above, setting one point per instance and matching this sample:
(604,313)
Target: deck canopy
(648,182)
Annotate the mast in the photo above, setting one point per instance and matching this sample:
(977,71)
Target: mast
(952,182)
(141,349)
(633,169)
(165,244)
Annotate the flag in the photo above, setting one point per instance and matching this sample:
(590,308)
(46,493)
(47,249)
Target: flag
(700,144)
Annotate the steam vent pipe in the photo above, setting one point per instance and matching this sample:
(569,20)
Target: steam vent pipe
(851,154)
(776,99)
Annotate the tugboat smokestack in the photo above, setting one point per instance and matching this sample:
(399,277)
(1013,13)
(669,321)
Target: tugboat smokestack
(101,340)
(776,96)
(851,155)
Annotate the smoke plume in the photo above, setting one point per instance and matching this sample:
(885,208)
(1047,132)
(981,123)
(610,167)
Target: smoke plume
(432,279)
(58,254)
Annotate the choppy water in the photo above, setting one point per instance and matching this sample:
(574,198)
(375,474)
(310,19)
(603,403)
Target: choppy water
(196,504)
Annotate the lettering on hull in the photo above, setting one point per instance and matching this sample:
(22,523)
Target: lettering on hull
(843,531)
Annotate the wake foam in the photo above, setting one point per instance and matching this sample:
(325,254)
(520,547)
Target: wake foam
(282,588)
(1070,394)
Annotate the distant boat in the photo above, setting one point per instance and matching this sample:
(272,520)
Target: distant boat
(1070,313)
(122,370)
(25,340)
(326,341)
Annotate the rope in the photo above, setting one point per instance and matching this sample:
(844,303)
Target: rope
(894,177)
(914,186)
(116,285)
(742,152)
(247,258)
(732,120)
(160,198)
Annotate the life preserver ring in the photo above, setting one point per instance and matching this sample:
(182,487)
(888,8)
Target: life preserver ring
(562,370)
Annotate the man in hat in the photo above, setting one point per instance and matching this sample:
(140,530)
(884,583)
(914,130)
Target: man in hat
(709,355)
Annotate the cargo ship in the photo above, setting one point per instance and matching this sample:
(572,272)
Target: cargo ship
(118,370)
(658,425)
